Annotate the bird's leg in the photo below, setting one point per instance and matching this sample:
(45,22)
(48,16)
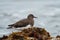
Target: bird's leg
(32,27)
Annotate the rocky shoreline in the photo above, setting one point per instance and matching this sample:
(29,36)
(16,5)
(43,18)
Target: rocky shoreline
(30,34)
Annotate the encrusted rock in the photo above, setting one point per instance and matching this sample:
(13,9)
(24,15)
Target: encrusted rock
(30,34)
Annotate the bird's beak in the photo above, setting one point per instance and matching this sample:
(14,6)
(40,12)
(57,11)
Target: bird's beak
(35,17)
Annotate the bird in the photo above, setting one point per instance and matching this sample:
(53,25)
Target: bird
(24,22)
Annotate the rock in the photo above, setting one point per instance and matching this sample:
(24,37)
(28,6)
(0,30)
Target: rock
(4,37)
(30,34)
(58,37)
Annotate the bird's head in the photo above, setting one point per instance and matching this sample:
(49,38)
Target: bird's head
(31,16)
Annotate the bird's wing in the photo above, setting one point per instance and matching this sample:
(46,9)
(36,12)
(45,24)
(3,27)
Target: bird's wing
(22,22)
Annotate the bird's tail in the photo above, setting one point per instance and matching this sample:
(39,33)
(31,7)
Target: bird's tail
(10,26)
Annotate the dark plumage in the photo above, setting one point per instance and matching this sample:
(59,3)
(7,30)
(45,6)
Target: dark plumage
(24,22)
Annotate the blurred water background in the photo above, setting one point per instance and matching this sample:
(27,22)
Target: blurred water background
(47,11)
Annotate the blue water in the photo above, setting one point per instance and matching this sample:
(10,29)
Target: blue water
(47,11)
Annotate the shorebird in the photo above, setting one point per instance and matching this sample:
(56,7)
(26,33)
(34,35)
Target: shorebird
(24,22)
